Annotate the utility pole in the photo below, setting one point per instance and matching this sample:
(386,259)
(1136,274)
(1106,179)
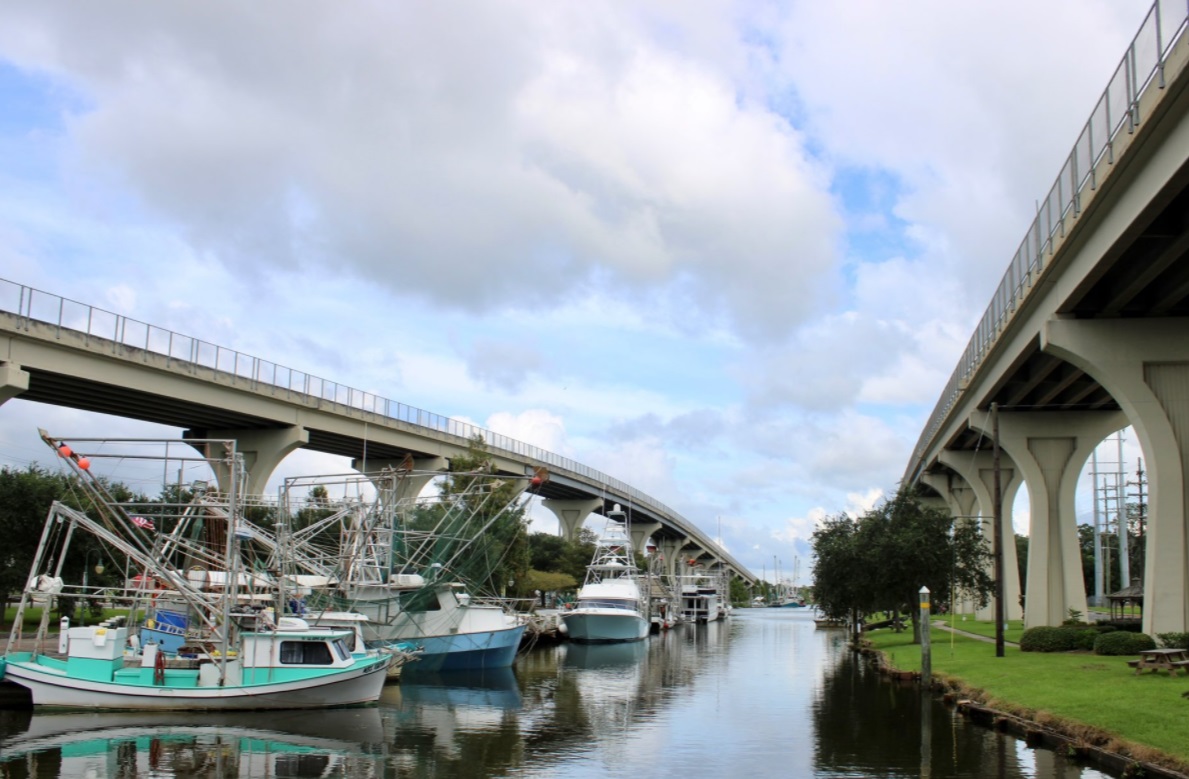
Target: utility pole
(1141,519)
(997,545)
(1121,513)
(1099,586)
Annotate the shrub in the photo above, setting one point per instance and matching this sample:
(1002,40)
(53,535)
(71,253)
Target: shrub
(1048,639)
(1123,642)
(1085,638)
(1174,640)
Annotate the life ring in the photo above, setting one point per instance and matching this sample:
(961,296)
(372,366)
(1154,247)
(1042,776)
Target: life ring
(159,669)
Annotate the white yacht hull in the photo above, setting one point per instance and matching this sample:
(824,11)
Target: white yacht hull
(593,627)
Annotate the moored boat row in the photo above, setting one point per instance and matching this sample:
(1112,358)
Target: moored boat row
(227,614)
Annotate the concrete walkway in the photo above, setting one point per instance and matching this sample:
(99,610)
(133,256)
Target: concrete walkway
(943,625)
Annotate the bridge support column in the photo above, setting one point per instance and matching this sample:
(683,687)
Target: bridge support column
(1144,365)
(978,469)
(262,451)
(412,473)
(13,381)
(671,549)
(1050,449)
(641,532)
(571,513)
(961,502)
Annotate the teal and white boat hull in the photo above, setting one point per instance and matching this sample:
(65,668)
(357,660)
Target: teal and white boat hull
(282,669)
(53,688)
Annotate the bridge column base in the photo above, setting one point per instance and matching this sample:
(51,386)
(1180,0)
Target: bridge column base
(641,532)
(262,451)
(571,514)
(412,473)
(1050,449)
(1144,365)
(978,469)
(671,551)
(13,381)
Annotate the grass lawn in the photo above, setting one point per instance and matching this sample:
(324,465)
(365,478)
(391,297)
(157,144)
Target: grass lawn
(1095,690)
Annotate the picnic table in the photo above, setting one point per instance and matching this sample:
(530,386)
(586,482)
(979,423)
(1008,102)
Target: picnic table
(1171,660)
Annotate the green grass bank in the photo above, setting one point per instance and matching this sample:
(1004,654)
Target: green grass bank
(1094,698)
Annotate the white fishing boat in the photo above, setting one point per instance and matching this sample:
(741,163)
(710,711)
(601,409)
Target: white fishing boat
(238,654)
(611,605)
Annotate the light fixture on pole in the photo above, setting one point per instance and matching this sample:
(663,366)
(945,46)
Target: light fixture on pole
(98,570)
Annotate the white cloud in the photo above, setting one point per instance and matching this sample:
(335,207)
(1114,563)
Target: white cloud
(720,251)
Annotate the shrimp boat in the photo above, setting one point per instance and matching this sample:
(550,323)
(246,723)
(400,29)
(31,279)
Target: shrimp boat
(240,651)
(612,605)
(410,566)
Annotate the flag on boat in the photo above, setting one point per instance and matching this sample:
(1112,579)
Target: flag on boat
(144,524)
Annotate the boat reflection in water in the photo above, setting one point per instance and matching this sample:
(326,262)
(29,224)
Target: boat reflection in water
(335,742)
(595,656)
(492,688)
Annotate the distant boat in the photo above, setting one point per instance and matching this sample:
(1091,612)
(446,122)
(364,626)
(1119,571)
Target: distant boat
(789,603)
(611,605)
(701,599)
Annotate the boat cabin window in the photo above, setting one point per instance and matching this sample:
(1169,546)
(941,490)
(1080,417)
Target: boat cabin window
(425,599)
(607,603)
(305,653)
(341,648)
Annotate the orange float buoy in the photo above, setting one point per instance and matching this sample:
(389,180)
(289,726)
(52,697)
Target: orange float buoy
(65,450)
(84,463)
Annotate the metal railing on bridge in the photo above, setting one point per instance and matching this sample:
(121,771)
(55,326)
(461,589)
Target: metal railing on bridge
(198,356)
(1116,111)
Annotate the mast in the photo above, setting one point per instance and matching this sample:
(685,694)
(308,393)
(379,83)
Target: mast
(232,552)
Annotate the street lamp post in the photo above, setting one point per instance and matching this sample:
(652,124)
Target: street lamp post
(98,570)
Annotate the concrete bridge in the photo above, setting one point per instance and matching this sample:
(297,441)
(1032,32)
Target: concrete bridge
(61,352)
(1087,333)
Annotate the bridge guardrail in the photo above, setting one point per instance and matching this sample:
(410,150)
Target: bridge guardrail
(1141,68)
(29,305)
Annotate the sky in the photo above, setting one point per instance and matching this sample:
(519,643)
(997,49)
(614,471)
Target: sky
(726,252)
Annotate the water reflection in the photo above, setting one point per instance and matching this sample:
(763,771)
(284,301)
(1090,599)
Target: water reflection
(336,742)
(761,694)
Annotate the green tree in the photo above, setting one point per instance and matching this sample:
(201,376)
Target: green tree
(25,499)
(740,593)
(841,576)
(880,561)
(914,546)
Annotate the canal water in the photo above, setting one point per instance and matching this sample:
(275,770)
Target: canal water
(761,694)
